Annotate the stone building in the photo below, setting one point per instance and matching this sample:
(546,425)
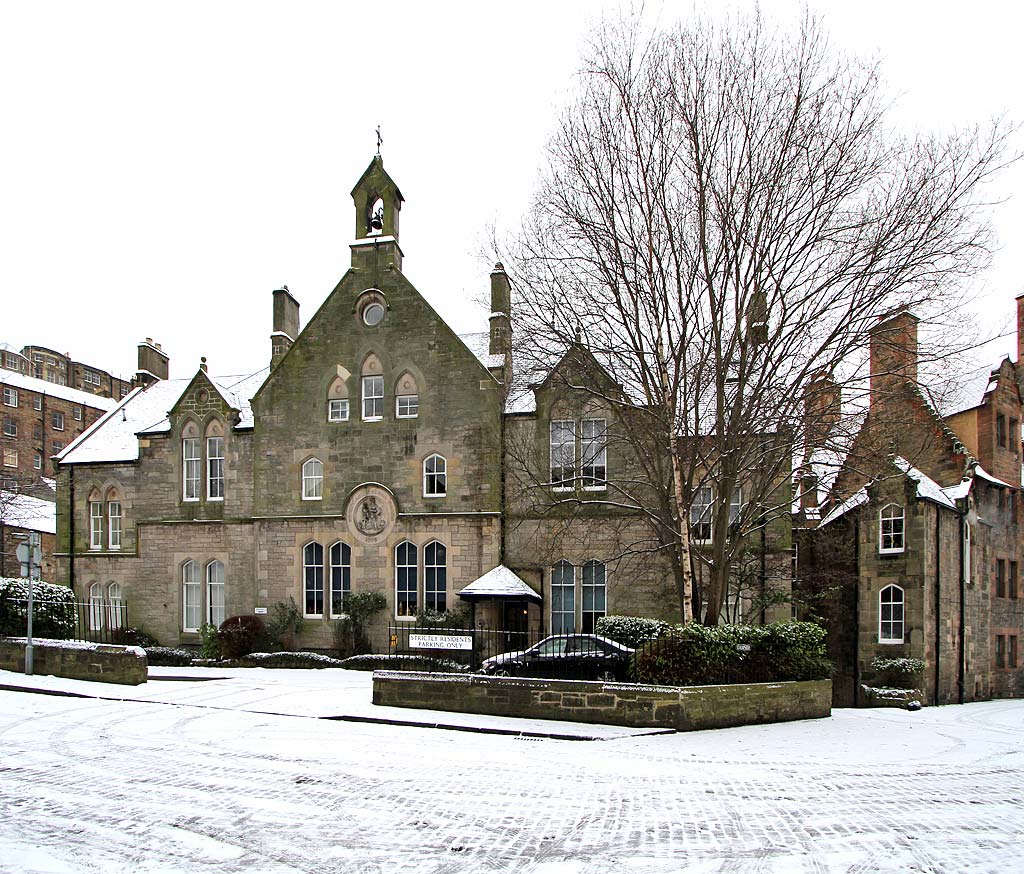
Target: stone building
(378,452)
(59,369)
(919,540)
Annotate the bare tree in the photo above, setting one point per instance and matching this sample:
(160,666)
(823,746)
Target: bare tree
(724,215)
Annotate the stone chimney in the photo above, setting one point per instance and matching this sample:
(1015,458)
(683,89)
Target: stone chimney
(501,306)
(893,354)
(823,399)
(153,363)
(1020,328)
(286,324)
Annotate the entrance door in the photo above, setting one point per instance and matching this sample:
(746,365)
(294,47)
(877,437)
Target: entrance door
(515,624)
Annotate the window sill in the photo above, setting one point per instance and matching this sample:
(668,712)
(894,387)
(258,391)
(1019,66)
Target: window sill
(890,642)
(891,551)
(190,500)
(373,418)
(312,499)
(215,500)
(436,497)
(405,619)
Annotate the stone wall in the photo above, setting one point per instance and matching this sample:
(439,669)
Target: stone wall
(690,708)
(101,662)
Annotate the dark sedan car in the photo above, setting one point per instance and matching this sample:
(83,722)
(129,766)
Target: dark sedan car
(566,657)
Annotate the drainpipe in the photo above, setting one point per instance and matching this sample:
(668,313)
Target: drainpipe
(764,570)
(71,527)
(856,616)
(961,671)
(938,602)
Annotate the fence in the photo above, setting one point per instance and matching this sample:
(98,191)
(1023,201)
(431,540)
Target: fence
(467,646)
(94,621)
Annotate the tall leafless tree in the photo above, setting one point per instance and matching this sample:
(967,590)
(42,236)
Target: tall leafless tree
(725,213)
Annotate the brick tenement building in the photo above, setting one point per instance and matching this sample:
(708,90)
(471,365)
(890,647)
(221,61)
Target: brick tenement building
(920,538)
(59,369)
(39,419)
(375,454)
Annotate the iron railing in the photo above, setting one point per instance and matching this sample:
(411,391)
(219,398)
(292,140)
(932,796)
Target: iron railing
(467,646)
(90,621)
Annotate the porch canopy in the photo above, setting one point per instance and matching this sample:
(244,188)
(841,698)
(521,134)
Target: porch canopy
(499,583)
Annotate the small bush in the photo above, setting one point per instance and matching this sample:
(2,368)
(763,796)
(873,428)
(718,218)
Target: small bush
(696,655)
(350,631)
(166,657)
(630,630)
(53,609)
(284,625)
(402,663)
(288,660)
(133,637)
(899,673)
(241,635)
(209,645)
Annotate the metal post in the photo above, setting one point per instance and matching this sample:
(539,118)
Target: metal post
(28,636)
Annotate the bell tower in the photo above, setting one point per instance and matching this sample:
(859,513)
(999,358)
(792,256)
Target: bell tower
(378,203)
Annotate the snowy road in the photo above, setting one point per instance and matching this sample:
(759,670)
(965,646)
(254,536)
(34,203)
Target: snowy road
(100,786)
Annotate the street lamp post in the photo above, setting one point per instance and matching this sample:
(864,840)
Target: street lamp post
(30,555)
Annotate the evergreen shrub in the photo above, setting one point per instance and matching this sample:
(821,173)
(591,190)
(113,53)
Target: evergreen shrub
(168,657)
(630,630)
(897,673)
(241,635)
(53,609)
(697,655)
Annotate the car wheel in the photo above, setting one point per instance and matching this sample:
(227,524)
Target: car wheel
(606,676)
(502,672)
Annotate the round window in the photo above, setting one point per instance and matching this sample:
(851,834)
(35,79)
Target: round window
(373,314)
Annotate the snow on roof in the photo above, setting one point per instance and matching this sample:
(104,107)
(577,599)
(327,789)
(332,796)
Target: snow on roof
(851,503)
(963,391)
(927,488)
(985,475)
(499,583)
(41,386)
(479,344)
(25,511)
(144,411)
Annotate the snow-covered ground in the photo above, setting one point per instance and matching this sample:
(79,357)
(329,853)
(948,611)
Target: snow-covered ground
(238,774)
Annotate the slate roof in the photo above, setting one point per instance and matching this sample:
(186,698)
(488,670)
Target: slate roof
(25,511)
(500,582)
(44,387)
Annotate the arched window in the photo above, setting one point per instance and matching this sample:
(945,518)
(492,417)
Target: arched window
(190,597)
(373,389)
(435,577)
(116,604)
(890,528)
(341,576)
(407,397)
(435,476)
(594,592)
(96,607)
(890,615)
(337,401)
(313,579)
(406,588)
(215,461)
(312,480)
(215,593)
(95,520)
(114,519)
(563,598)
(191,462)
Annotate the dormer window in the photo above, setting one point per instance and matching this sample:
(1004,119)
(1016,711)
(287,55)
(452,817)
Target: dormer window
(890,529)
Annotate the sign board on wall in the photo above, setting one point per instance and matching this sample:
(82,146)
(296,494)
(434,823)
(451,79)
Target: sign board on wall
(440,641)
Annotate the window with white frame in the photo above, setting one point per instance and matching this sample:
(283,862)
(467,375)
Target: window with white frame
(373,398)
(407,406)
(735,506)
(701,510)
(563,454)
(563,598)
(313,579)
(890,615)
(337,410)
(593,453)
(594,595)
(191,600)
(215,593)
(435,476)
(435,577)
(341,576)
(37,403)
(10,397)
(96,607)
(312,480)
(10,427)
(91,378)
(114,524)
(77,413)
(95,524)
(191,468)
(115,606)
(10,458)
(406,587)
(890,528)
(215,468)
(57,421)
(37,461)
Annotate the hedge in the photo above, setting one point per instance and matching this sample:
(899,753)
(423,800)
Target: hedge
(53,609)
(630,631)
(697,655)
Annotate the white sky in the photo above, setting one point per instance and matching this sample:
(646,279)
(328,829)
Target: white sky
(164,167)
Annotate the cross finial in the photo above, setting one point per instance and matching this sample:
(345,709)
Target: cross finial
(379,140)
